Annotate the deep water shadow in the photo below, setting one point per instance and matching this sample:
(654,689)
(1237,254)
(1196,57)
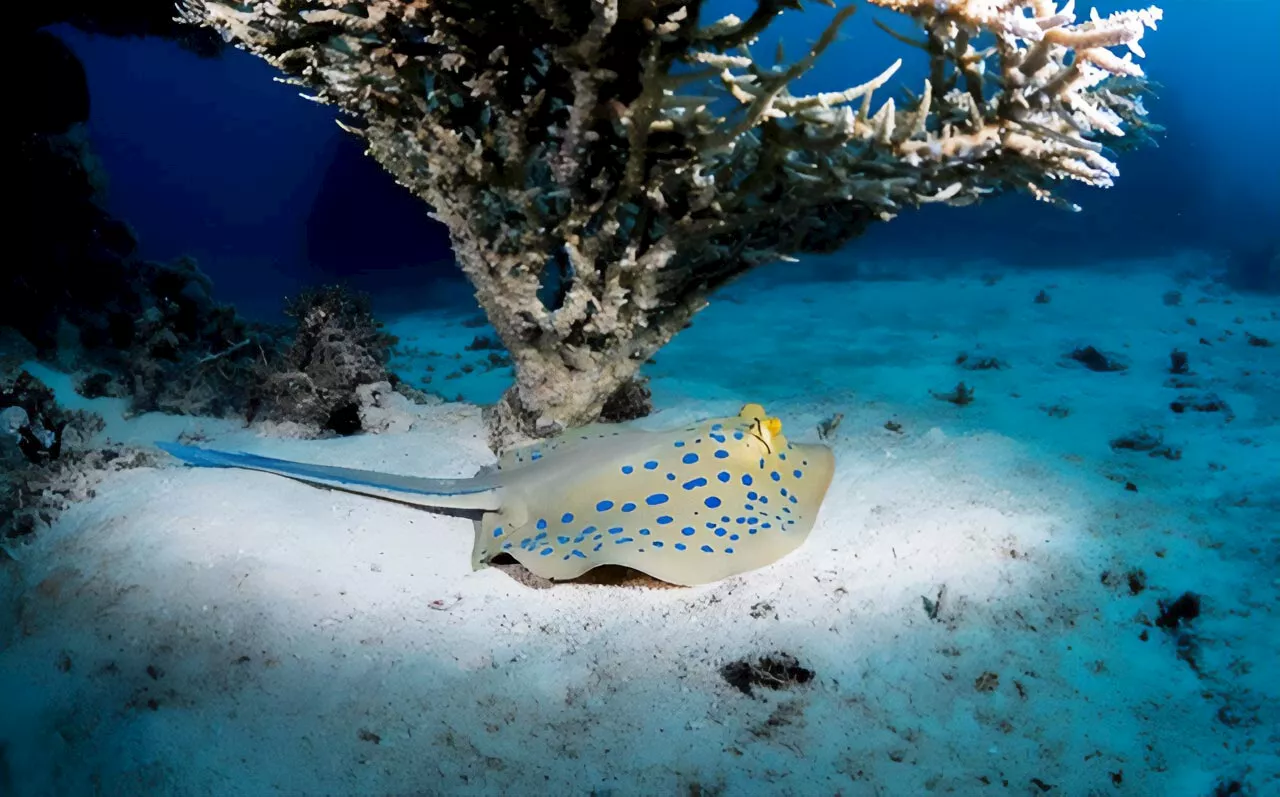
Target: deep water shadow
(374,235)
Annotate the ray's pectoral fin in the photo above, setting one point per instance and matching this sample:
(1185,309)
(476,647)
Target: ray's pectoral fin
(495,531)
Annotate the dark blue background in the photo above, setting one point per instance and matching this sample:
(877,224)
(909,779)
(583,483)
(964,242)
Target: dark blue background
(212,158)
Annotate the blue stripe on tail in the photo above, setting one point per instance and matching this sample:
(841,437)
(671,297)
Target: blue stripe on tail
(207,457)
(352,477)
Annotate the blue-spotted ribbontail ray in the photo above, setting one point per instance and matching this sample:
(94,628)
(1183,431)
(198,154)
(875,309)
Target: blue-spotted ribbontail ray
(687,506)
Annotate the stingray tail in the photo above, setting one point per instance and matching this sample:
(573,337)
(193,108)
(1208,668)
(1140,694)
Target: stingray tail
(476,493)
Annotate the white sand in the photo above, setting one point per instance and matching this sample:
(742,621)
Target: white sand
(286,626)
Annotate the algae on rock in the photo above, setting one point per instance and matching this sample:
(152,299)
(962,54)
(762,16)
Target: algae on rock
(604,165)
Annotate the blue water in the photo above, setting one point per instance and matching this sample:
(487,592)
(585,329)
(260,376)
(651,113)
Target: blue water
(209,157)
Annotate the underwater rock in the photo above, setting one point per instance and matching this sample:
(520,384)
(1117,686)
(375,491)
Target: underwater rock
(1209,402)
(961,395)
(336,348)
(1095,360)
(385,408)
(47,459)
(30,415)
(135,18)
(1146,442)
(980,363)
(54,91)
(776,671)
(1183,610)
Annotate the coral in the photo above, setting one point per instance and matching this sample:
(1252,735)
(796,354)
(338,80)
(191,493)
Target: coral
(604,166)
(47,456)
(337,348)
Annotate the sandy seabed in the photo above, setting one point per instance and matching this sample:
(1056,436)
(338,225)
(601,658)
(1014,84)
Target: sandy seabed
(979,601)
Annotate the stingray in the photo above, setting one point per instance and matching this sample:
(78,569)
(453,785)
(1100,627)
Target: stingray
(686,506)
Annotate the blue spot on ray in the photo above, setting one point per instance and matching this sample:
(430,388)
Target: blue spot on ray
(687,531)
(627,469)
(651,465)
(724,476)
(689,458)
(604,506)
(628,507)
(695,483)
(656,499)
(721,453)
(542,523)
(567,517)
(712,502)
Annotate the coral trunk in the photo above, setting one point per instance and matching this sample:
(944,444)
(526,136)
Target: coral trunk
(550,396)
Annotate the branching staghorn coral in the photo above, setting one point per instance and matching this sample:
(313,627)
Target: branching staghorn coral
(604,165)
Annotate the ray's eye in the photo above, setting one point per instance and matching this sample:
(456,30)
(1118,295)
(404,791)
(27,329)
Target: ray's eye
(761,433)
